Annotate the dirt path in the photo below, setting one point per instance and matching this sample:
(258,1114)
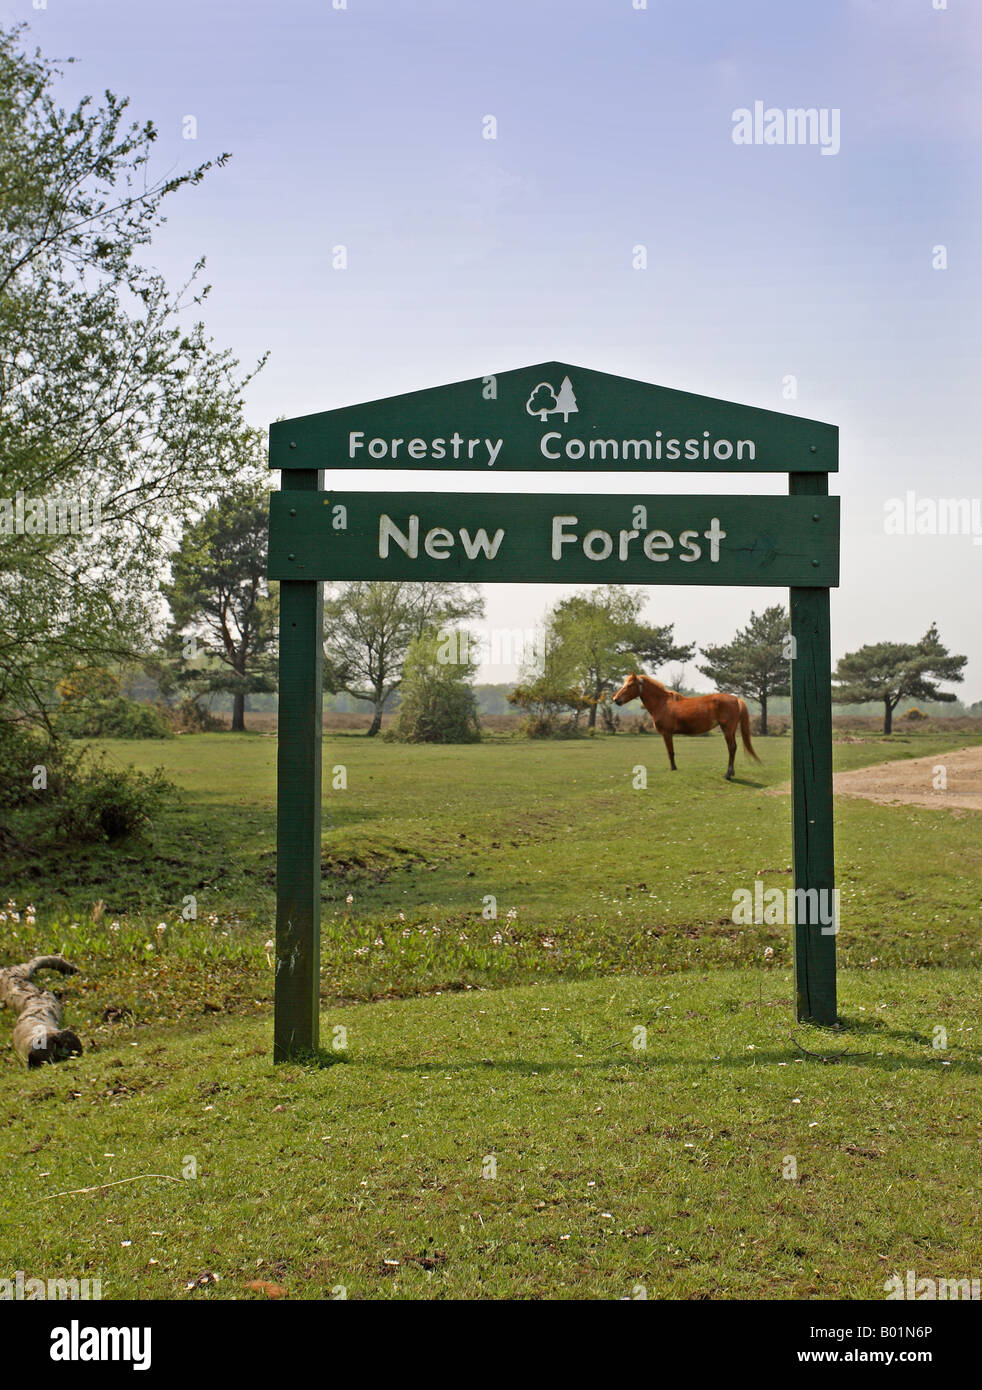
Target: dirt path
(911,780)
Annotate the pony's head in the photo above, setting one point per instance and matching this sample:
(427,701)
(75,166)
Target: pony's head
(630,690)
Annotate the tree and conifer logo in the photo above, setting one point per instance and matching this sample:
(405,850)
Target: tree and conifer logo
(545,400)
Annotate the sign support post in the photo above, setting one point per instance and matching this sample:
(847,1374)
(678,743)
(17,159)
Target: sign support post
(811,791)
(296,1014)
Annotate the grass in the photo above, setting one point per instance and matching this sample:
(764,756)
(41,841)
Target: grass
(515,1144)
(588,874)
(368,1168)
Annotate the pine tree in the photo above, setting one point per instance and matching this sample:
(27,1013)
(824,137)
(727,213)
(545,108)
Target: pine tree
(566,400)
(755,664)
(889,672)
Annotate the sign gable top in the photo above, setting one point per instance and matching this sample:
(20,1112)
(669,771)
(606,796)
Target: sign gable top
(520,404)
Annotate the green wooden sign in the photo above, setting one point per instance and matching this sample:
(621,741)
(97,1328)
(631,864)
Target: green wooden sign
(554,417)
(541,418)
(491,538)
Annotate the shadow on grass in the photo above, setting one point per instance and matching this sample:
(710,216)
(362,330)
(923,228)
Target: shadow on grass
(866,1060)
(318,1058)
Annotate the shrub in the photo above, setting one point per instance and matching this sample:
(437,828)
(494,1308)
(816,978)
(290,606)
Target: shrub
(108,803)
(437,701)
(73,799)
(88,683)
(29,755)
(191,718)
(916,713)
(554,710)
(113,717)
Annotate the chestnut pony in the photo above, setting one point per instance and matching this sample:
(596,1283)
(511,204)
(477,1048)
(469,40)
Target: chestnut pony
(673,713)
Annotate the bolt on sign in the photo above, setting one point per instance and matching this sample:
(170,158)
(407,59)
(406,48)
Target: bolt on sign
(557,418)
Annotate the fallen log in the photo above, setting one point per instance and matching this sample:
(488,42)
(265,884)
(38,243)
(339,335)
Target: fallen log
(38,1036)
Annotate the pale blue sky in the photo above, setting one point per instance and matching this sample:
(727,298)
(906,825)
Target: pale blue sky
(468,256)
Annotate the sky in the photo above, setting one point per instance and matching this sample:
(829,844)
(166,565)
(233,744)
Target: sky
(838,283)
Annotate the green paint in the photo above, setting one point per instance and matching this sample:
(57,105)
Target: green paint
(493,538)
(558,418)
(811,786)
(298,805)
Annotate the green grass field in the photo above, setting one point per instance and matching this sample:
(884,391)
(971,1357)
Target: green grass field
(615,1166)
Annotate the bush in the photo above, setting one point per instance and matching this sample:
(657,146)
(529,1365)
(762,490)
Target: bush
(916,713)
(113,717)
(437,701)
(72,799)
(554,710)
(108,803)
(776,726)
(29,755)
(191,718)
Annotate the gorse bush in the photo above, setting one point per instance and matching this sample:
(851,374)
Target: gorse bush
(94,706)
(109,803)
(554,709)
(51,791)
(189,717)
(115,717)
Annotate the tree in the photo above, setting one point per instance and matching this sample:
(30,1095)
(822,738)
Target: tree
(111,401)
(893,671)
(756,663)
(566,400)
(542,402)
(438,703)
(218,593)
(592,637)
(368,626)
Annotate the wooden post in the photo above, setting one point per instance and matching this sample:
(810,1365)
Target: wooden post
(811,788)
(296,1015)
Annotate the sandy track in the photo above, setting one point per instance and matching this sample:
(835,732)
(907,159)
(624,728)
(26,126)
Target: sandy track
(911,780)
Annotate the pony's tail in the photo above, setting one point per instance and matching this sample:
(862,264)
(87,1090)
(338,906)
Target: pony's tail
(745,730)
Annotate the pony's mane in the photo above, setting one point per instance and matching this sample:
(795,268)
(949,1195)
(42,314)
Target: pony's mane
(672,694)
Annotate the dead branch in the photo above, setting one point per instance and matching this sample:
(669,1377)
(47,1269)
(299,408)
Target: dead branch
(38,1036)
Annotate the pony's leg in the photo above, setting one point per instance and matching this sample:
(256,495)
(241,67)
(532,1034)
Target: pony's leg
(670,746)
(730,736)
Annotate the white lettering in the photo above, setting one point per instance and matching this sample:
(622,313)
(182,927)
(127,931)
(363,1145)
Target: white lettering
(481,542)
(590,540)
(559,536)
(387,528)
(714,535)
(657,541)
(438,537)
